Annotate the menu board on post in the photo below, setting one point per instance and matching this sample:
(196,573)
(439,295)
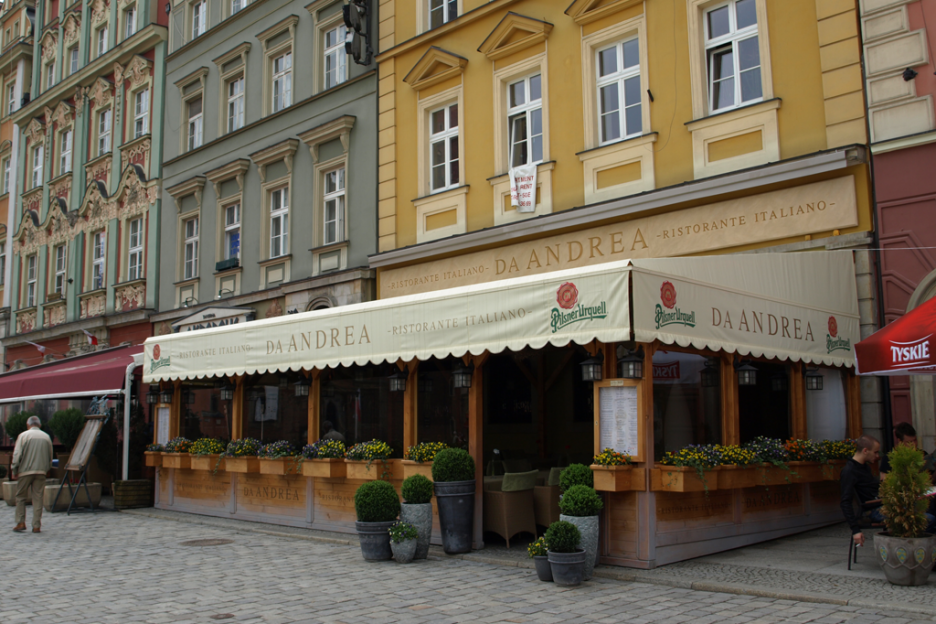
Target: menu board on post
(162,424)
(619,425)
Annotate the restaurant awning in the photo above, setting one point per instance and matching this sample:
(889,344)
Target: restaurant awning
(904,347)
(80,376)
(793,306)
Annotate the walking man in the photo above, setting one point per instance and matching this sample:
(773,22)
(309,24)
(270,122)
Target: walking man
(32,459)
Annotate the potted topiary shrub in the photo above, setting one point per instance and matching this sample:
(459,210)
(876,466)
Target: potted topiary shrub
(417,510)
(907,551)
(538,553)
(576,474)
(580,505)
(453,471)
(16,424)
(66,425)
(403,541)
(377,506)
(566,558)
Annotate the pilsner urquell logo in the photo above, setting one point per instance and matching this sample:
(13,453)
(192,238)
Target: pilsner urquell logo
(567,298)
(833,342)
(158,363)
(677,316)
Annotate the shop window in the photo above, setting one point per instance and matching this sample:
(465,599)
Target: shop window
(273,412)
(827,409)
(358,404)
(765,407)
(686,401)
(442,408)
(204,413)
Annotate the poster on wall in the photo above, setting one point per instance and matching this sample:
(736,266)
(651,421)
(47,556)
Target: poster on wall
(162,425)
(619,420)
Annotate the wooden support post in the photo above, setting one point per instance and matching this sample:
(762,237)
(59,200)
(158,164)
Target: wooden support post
(609,365)
(315,393)
(411,405)
(237,409)
(175,414)
(476,445)
(731,418)
(646,512)
(799,428)
(853,394)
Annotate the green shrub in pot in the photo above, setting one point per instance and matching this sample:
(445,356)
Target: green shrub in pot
(453,474)
(563,537)
(66,425)
(453,464)
(417,490)
(376,501)
(576,474)
(580,501)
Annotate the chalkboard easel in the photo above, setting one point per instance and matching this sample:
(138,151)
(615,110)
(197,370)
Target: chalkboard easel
(619,417)
(80,457)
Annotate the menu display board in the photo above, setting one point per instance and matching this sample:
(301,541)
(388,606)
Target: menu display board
(618,410)
(162,424)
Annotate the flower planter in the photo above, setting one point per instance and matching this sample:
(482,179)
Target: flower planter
(455,501)
(153,459)
(179,461)
(325,468)
(832,471)
(588,527)
(806,471)
(737,477)
(543,568)
(420,516)
(404,551)
(387,469)
(906,561)
(568,569)
(279,466)
(207,462)
(411,468)
(375,540)
(242,464)
(682,479)
(769,474)
(617,478)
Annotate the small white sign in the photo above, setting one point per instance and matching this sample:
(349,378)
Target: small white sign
(162,425)
(523,188)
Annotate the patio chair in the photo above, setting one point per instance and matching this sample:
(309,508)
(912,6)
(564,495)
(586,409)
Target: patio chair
(546,499)
(864,522)
(508,505)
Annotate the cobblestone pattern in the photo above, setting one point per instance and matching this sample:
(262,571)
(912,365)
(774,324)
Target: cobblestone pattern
(109,567)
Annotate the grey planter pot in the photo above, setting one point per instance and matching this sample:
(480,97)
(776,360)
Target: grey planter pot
(456,501)
(568,569)
(404,551)
(543,568)
(375,540)
(420,516)
(588,527)
(906,561)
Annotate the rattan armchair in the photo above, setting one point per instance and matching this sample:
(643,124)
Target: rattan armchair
(508,505)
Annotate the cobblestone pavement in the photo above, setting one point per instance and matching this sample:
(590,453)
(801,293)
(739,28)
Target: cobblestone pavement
(123,568)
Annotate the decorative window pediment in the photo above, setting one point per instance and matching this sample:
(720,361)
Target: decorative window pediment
(336,129)
(284,150)
(435,66)
(514,33)
(71,28)
(64,114)
(588,11)
(198,75)
(133,196)
(192,186)
(30,235)
(102,92)
(36,131)
(99,11)
(138,71)
(236,169)
(48,46)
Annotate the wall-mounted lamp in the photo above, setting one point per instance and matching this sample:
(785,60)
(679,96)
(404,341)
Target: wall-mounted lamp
(909,74)
(302,387)
(227,392)
(710,374)
(397,381)
(189,301)
(778,383)
(165,396)
(152,396)
(631,366)
(813,379)
(461,376)
(591,368)
(221,293)
(747,374)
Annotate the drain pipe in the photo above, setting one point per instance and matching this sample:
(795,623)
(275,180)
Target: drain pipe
(128,392)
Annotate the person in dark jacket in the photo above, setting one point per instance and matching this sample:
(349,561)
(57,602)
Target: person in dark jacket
(858,480)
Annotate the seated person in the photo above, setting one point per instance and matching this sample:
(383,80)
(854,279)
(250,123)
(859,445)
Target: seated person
(905,435)
(330,432)
(858,480)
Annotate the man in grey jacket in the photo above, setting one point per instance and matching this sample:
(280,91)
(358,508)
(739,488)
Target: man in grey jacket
(32,459)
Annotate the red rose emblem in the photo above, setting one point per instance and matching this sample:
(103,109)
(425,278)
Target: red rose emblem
(567,295)
(833,327)
(668,295)
(156,352)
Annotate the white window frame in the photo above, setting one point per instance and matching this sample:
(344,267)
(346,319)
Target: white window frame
(195,133)
(74,62)
(235,103)
(61,263)
(135,249)
(237,6)
(104,131)
(335,54)
(732,39)
(3,260)
(38,160)
(338,195)
(448,9)
(619,78)
(130,21)
(30,281)
(141,105)
(50,74)
(101,44)
(526,109)
(231,227)
(281,79)
(11,96)
(190,248)
(6,174)
(199,18)
(445,136)
(98,260)
(279,215)
(66,144)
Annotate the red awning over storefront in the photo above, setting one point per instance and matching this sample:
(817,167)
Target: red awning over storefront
(86,375)
(905,347)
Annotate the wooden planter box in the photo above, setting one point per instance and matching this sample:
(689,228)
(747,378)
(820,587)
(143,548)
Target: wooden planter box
(806,472)
(411,468)
(682,479)
(768,474)
(737,477)
(242,464)
(832,471)
(179,461)
(279,466)
(361,471)
(618,478)
(153,459)
(207,462)
(325,468)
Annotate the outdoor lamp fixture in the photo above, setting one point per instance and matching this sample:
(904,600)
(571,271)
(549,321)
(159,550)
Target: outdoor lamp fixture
(747,374)
(630,366)
(710,374)
(778,383)
(813,379)
(227,392)
(224,291)
(397,381)
(189,397)
(165,396)
(189,301)
(302,387)
(461,376)
(591,368)
(152,396)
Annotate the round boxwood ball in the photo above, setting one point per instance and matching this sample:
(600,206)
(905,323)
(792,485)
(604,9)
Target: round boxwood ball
(580,501)
(417,490)
(376,501)
(453,464)
(563,537)
(576,474)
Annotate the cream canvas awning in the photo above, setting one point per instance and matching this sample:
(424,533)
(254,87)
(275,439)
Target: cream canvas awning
(801,307)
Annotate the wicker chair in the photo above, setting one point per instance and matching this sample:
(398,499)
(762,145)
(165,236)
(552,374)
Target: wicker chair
(508,505)
(546,499)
